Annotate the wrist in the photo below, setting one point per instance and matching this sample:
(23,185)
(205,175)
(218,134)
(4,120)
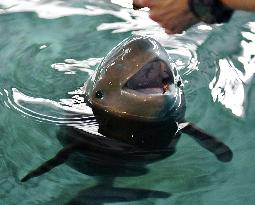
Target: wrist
(210,11)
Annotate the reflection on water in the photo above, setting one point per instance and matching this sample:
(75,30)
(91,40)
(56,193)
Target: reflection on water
(227,87)
(49,110)
(70,65)
(48,9)
(43,42)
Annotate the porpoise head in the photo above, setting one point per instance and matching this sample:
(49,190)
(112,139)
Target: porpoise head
(135,81)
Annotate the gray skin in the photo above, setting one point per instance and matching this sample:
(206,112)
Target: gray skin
(138,102)
(129,83)
(135,94)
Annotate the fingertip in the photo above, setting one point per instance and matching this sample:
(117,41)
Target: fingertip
(168,31)
(137,4)
(136,7)
(154,16)
(174,31)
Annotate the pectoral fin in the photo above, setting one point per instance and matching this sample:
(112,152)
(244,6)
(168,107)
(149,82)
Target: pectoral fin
(208,141)
(60,158)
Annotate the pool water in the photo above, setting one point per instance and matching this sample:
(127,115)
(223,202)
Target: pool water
(47,51)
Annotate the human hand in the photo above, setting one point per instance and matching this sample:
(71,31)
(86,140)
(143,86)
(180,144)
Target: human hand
(173,15)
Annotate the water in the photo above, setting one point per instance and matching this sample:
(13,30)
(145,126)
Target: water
(47,51)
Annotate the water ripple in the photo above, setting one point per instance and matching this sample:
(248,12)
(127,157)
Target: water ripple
(216,63)
(67,111)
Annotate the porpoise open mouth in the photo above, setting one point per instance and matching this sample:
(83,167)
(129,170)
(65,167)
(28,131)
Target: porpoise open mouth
(153,78)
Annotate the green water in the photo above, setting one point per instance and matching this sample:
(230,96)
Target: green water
(38,84)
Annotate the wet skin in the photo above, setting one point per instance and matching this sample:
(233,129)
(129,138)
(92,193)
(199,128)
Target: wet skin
(139,107)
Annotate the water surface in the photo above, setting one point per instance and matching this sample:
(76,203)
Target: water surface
(47,51)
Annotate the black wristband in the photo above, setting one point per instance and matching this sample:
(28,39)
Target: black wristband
(210,11)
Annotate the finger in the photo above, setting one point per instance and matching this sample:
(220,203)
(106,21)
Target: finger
(137,4)
(170,27)
(178,25)
(157,15)
(169,31)
(174,30)
(137,7)
(147,3)
(154,16)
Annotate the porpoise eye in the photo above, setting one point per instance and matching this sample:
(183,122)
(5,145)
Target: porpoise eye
(99,94)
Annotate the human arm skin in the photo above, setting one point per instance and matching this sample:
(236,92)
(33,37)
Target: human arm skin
(175,15)
(246,5)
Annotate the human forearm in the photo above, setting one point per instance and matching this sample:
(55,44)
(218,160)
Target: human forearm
(247,5)
(178,15)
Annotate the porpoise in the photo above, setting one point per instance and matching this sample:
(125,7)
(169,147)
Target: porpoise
(138,101)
